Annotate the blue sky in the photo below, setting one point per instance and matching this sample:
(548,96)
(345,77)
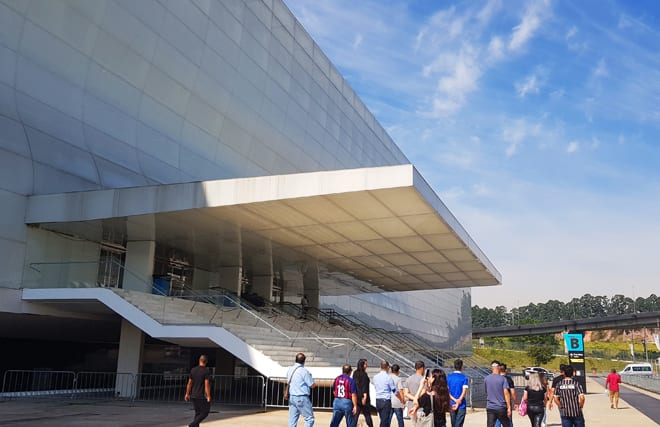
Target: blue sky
(536,122)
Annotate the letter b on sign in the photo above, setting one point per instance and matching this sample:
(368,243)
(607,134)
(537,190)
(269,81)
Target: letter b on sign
(574,342)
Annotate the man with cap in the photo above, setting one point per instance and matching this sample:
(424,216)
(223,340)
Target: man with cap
(498,399)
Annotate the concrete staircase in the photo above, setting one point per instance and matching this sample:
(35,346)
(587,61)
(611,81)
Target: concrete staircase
(276,335)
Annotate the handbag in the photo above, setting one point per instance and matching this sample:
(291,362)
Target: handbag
(286,387)
(522,408)
(426,420)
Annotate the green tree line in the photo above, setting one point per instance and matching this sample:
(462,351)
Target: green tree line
(585,307)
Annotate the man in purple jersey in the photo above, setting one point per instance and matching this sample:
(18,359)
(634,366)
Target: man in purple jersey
(345,393)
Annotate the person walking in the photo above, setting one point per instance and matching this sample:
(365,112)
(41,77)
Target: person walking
(362,382)
(384,387)
(198,390)
(398,400)
(301,384)
(345,393)
(498,400)
(512,391)
(412,386)
(569,398)
(612,384)
(536,397)
(458,385)
(433,396)
(555,381)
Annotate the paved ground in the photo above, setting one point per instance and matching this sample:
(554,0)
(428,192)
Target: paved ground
(47,413)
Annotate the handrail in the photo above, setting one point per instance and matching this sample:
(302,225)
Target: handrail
(248,308)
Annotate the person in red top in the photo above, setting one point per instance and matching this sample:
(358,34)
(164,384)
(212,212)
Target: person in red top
(345,393)
(612,383)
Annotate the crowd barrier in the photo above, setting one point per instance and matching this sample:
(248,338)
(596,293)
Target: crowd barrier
(256,391)
(225,389)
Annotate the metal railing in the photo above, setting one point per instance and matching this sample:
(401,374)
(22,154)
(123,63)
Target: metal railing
(67,384)
(324,332)
(225,389)
(647,382)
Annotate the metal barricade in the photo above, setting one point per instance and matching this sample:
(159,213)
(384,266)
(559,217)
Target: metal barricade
(225,389)
(321,395)
(239,390)
(105,385)
(476,392)
(23,383)
(161,387)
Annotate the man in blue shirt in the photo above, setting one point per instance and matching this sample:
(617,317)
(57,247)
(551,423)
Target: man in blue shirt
(300,384)
(345,393)
(498,401)
(385,387)
(458,386)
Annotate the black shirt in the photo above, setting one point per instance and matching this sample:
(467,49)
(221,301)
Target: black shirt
(198,375)
(362,385)
(535,397)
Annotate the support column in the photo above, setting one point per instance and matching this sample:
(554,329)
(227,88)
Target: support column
(262,272)
(129,359)
(200,280)
(231,260)
(311,284)
(139,266)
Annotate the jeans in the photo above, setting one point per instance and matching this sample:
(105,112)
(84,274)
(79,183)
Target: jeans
(202,408)
(341,408)
(398,412)
(493,415)
(499,424)
(300,405)
(572,421)
(384,408)
(457,417)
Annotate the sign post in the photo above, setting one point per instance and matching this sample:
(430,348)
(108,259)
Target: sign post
(575,347)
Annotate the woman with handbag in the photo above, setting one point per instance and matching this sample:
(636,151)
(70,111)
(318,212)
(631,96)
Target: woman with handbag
(534,399)
(433,399)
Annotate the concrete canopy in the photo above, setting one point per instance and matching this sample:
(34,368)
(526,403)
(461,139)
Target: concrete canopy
(383,225)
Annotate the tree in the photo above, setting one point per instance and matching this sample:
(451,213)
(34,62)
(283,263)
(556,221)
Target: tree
(542,354)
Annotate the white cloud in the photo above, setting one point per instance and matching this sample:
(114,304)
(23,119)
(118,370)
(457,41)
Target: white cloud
(572,147)
(571,32)
(357,42)
(457,82)
(496,49)
(516,133)
(534,15)
(601,69)
(486,14)
(529,86)
(557,94)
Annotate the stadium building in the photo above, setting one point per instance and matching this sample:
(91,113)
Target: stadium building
(176,175)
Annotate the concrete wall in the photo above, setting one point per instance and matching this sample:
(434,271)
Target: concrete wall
(54,260)
(106,94)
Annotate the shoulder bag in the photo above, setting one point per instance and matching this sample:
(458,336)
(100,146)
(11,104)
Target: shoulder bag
(288,381)
(522,408)
(426,420)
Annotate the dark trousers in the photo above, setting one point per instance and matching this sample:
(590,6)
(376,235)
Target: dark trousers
(365,411)
(535,414)
(493,415)
(384,408)
(202,409)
